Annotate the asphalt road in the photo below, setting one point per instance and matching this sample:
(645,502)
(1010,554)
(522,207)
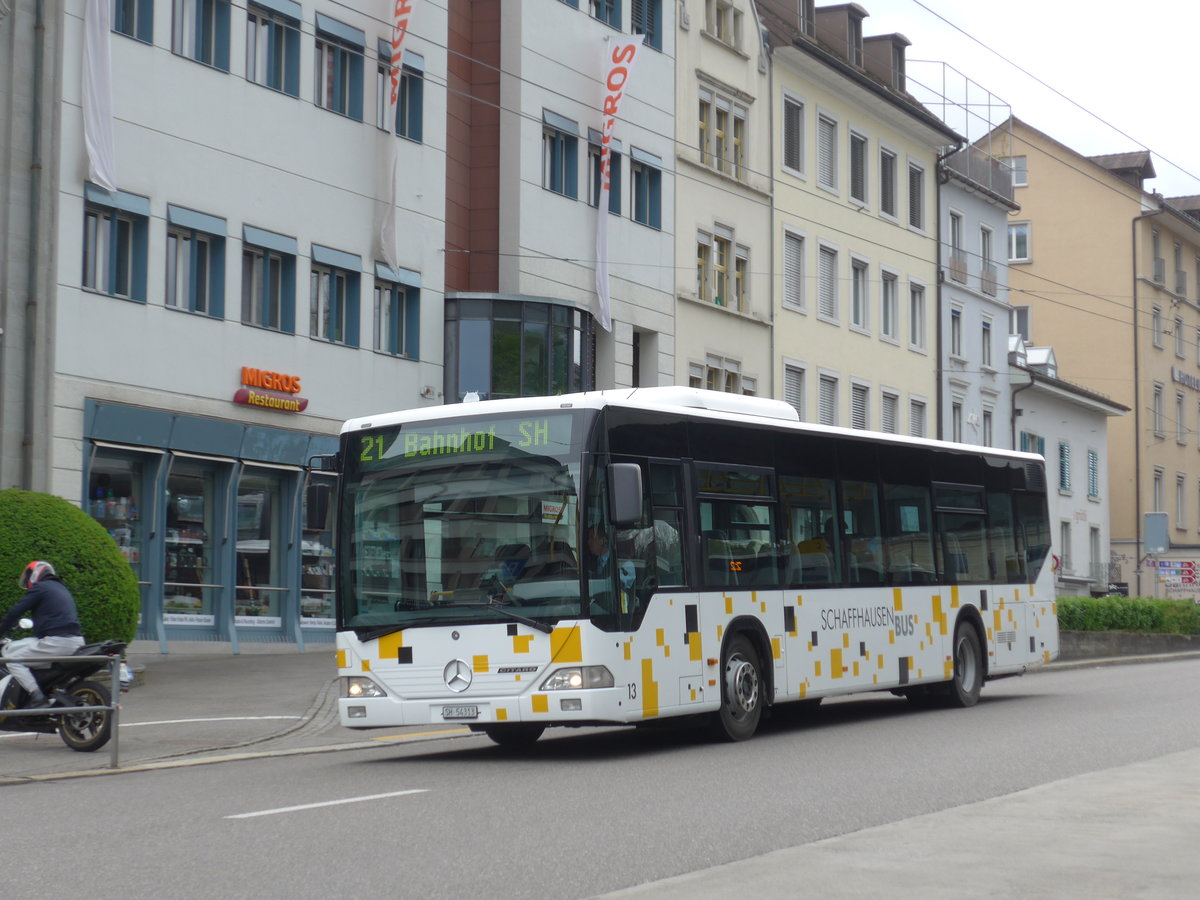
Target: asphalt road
(581,813)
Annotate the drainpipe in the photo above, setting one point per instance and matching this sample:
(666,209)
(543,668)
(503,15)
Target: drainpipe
(35,218)
(1012,394)
(1137,410)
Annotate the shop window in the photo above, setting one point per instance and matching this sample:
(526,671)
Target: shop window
(260,550)
(115,501)
(189,577)
(316,554)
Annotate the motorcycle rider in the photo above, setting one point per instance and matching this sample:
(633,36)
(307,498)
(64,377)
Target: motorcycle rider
(56,630)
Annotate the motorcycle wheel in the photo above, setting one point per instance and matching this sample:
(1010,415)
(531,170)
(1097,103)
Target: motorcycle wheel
(87,731)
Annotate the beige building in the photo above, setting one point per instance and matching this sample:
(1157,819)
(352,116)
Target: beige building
(1108,273)
(855,227)
(722,199)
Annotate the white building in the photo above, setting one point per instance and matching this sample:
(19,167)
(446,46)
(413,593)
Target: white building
(176,349)
(1068,425)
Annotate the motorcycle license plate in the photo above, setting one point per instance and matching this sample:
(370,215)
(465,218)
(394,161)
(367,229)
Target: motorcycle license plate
(460,712)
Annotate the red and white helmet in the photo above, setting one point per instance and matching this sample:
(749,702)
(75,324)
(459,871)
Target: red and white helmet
(35,572)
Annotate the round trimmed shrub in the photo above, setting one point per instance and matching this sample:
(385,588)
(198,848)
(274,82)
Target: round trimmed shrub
(87,559)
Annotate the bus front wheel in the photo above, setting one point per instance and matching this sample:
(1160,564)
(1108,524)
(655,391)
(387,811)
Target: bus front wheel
(513,735)
(741,692)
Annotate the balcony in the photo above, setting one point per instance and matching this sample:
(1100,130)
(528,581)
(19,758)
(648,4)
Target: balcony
(987,279)
(958,266)
(984,169)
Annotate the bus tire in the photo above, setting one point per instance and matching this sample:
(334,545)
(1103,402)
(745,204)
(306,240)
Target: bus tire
(963,689)
(741,691)
(520,735)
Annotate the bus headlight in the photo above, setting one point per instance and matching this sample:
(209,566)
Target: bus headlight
(578,678)
(355,687)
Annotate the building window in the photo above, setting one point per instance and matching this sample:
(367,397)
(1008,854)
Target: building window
(793,135)
(704,266)
(115,243)
(723,21)
(1157,496)
(985,343)
(988,427)
(501,348)
(339,68)
(887,183)
(958,259)
(741,268)
(1093,474)
(889,307)
(1064,467)
(1180,339)
(827,173)
(200,31)
(827,400)
(272,50)
(1180,502)
(269,280)
(560,150)
(607,11)
(916,418)
(397,318)
(889,412)
(860,410)
(1032,443)
(1064,547)
(1156,326)
(134,18)
(956,420)
(1180,419)
(334,292)
(410,94)
(646,19)
(722,134)
(827,287)
(1157,411)
(916,196)
(1020,170)
(858,168)
(1019,321)
(956,332)
(987,265)
(860,300)
(793,271)
(1018,242)
(646,175)
(719,374)
(916,317)
(595,176)
(195,265)
(793,387)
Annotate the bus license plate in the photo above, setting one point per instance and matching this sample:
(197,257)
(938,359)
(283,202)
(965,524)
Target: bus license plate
(460,712)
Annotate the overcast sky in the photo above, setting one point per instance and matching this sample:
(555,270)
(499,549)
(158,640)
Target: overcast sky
(1132,68)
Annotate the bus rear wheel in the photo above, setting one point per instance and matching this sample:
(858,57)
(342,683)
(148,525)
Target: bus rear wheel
(963,689)
(514,735)
(741,692)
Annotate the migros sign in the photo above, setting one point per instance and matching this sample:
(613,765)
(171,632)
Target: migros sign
(270,390)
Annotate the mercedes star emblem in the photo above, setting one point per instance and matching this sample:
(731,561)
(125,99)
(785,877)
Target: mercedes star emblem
(457,675)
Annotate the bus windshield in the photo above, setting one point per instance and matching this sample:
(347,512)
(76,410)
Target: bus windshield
(461,521)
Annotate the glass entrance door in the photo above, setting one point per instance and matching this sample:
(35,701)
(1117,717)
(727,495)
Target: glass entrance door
(260,587)
(189,578)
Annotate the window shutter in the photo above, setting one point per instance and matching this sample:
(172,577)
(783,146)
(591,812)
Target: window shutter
(828,401)
(827,152)
(793,270)
(858,407)
(828,287)
(793,388)
(791,134)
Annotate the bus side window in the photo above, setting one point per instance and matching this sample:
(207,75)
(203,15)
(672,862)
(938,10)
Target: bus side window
(811,559)
(862,544)
(908,536)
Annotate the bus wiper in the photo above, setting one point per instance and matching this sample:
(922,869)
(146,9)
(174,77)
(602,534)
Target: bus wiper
(496,606)
(376,631)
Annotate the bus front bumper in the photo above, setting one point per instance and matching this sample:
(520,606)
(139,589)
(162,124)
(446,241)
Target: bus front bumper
(598,705)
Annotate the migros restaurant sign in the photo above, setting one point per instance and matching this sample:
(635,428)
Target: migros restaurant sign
(270,390)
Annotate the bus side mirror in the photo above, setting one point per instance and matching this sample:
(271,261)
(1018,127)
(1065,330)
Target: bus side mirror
(325,462)
(625,493)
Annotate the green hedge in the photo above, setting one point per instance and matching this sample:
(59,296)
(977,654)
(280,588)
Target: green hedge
(42,526)
(1144,614)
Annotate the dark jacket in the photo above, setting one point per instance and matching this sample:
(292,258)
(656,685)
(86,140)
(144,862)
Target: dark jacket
(51,607)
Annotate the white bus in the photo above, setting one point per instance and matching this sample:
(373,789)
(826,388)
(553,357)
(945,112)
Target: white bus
(627,556)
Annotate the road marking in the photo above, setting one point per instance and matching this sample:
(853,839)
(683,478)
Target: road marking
(417,734)
(303,806)
(213,719)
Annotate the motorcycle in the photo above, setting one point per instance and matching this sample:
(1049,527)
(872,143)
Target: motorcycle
(66,684)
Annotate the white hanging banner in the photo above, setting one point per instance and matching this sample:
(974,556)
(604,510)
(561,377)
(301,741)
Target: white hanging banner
(401,15)
(619,57)
(97,94)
